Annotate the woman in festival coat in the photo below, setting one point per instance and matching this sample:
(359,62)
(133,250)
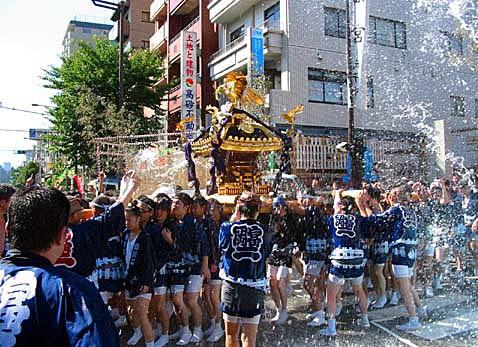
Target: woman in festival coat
(139,260)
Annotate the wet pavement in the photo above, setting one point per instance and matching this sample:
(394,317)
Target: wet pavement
(450,310)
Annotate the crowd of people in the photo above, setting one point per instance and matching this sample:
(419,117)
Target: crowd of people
(173,268)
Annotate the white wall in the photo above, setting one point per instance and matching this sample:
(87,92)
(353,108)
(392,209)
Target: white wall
(420,76)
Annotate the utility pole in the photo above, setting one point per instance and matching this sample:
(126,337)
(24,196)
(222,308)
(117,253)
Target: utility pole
(354,151)
(120,8)
(120,61)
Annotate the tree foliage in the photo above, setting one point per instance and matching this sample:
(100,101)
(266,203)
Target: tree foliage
(22,173)
(87,98)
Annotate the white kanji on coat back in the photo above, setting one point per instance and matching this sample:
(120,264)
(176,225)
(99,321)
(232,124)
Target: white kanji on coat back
(14,291)
(247,240)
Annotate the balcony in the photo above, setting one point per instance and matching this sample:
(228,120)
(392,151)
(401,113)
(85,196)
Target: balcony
(225,11)
(157,10)
(273,37)
(158,40)
(233,56)
(175,42)
(182,7)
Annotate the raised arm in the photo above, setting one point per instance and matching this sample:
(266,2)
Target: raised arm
(129,184)
(445,193)
(337,197)
(101,182)
(362,200)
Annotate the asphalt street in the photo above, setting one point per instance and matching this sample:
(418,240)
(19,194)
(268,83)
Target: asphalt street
(452,321)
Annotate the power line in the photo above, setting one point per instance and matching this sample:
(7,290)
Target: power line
(15,130)
(22,110)
(14,150)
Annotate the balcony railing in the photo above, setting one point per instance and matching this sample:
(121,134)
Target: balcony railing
(271,24)
(158,38)
(155,8)
(229,47)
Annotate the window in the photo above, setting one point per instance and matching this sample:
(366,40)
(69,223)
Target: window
(335,22)
(386,32)
(86,31)
(145,44)
(236,34)
(327,86)
(272,15)
(145,16)
(454,44)
(370,93)
(457,106)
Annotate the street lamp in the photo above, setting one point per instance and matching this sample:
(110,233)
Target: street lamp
(120,8)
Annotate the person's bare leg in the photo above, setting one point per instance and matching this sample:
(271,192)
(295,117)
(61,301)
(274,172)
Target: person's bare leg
(141,310)
(163,313)
(362,298)
(180,308)
(416,298)
(275,295)
(373,276)
(332,290)
(216,300)
(282,287)
(380,279)
(299,266)
(404,285)
(311,285)
(249,334)
(192,304)
(207,300)
(232,334)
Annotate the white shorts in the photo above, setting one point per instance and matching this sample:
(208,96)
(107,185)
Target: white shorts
(402,271)
(193,284)
(176,288)
(356,281)
(277,272)
(313,267)
(241,320)
(160,290)
(145,296)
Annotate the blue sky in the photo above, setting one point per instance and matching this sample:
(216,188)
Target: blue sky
(31,35)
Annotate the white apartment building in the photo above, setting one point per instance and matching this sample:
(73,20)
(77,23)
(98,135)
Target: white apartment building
(412,80)
(78,30)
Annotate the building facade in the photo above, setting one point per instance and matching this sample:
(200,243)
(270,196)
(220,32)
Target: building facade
(170,19)
(137,26)
(413,75)
(82,31)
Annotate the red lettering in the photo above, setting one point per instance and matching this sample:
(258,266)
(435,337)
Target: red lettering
(66,258)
